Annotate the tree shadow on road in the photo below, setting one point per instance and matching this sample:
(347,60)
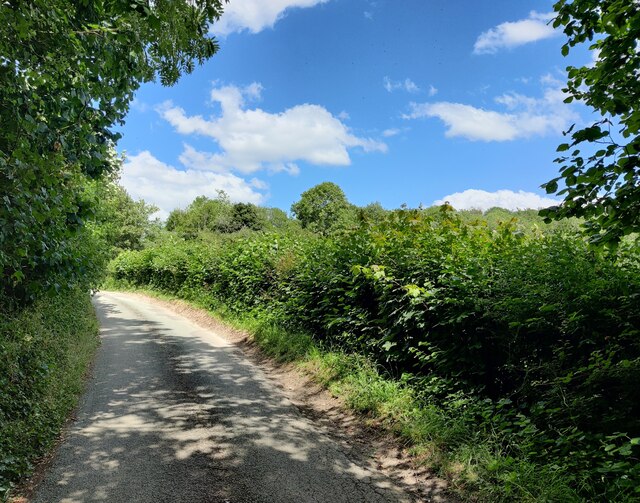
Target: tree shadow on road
(173,415)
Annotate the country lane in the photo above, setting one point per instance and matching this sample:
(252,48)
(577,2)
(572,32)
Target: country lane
(175,413)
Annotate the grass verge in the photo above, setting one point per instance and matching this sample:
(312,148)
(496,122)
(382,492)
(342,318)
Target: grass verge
(45,351)
(446,438)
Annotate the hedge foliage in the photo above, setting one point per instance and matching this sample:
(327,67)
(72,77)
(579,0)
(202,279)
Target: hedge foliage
(530,336)
(44,353)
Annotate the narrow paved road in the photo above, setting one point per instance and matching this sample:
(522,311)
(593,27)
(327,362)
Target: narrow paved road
(174,413)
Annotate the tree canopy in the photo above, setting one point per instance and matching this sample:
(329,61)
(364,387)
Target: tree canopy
(68,72)
(119,222)
(600,168)
(220,215)
(322,208)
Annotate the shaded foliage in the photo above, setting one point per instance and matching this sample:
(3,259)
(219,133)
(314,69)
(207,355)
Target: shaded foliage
(245,216)
(44,353)
(67,75)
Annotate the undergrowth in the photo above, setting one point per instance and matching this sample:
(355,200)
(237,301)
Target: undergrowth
(45,350)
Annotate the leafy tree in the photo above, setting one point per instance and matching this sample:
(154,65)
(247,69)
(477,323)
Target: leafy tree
(245,216)
(119,221)
(68,72)
(373,212)
(217,215)
(203,215)
(176,220)
(322,208)
(276,218)
(602,176)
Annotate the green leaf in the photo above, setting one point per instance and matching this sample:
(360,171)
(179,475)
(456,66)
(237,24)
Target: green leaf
(388,345)
(551,187)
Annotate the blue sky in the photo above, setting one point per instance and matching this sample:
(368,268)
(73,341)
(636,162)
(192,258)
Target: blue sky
(410,102)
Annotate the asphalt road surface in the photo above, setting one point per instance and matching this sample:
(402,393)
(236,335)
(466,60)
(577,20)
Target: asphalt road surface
(174,413)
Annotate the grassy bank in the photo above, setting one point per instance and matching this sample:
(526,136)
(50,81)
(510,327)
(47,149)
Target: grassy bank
(449,440)
(45,350)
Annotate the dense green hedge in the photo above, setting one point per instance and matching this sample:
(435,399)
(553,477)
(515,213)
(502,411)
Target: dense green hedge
(532,337)
(44,353)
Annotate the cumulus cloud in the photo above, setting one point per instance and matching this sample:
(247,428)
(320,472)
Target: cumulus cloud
(468,121)
(522,116)
(145,177)
(256,15)
(388,133)
(512,34)
(403,85)
(473,199)
(252,139)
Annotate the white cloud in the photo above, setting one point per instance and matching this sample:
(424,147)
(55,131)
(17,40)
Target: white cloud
(512,34)
(550,80)
(259,184)
(483,200)
(523,117)
(252,139)
(256,15)
(139,106)
(404,85)
(467,121)
(253,91)
(287,167)
(388,133)
(432,91)
(344,115)
(145,177)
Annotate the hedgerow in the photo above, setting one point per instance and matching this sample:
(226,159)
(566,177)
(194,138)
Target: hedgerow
(44,353)
(522,345)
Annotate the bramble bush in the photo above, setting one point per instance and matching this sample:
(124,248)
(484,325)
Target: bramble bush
(529,336)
